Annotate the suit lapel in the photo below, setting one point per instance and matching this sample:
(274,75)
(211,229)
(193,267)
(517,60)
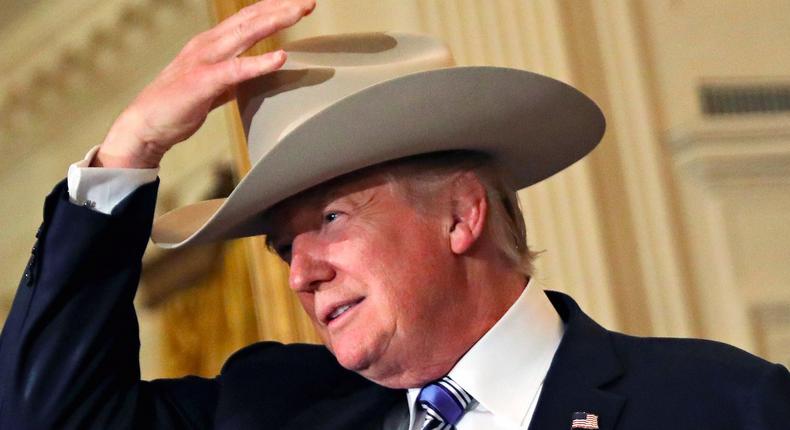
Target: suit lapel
(584,363)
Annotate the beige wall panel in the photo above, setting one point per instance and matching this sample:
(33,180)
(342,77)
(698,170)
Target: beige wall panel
(691,40)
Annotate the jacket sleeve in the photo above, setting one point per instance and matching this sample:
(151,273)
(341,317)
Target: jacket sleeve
(69,351)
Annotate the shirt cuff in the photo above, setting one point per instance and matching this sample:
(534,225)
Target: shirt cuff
(101,188)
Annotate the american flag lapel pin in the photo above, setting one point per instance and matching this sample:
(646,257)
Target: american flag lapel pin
(584,420)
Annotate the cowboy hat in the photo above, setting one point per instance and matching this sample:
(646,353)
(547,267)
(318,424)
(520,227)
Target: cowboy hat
(344,102)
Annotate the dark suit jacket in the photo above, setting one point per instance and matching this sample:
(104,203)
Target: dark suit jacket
(69,358)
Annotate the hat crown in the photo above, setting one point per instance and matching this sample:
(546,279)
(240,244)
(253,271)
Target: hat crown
(323,70)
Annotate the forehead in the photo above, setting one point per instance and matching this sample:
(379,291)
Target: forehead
(442,162)
(387,173)
(317,197)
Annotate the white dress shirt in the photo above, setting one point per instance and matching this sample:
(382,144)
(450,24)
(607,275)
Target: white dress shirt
(101,188)
(505,369)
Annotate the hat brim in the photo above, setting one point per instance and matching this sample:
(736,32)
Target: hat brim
(533,126)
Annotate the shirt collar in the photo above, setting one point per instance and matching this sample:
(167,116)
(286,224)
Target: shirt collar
(505,369)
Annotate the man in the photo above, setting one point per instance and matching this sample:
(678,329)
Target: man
(387,181)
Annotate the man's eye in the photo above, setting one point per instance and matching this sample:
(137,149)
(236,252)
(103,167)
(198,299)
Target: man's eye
(330,217)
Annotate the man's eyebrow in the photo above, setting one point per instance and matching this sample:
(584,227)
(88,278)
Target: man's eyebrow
(315,199)
(321,199)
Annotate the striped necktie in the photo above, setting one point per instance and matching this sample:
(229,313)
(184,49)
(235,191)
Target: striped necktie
(444,402)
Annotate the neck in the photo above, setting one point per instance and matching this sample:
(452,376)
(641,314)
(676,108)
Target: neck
(484,295)
(494,289)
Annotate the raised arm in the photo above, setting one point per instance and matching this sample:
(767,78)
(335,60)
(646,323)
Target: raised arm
(69,348)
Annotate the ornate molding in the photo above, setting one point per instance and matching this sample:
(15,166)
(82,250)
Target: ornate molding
(68,65)
(746,150)
(65,54)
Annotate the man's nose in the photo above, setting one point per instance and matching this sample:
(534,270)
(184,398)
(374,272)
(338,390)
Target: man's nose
(309,267)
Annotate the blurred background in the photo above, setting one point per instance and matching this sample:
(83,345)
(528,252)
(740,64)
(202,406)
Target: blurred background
(677,225)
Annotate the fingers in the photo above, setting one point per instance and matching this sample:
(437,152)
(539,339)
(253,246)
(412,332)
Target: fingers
(250,25)
(231,72)
(234,73)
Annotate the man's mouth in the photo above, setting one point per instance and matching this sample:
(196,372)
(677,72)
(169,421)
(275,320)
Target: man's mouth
(341,310)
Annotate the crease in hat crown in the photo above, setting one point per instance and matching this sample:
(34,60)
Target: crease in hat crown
(304,122)
(322,70)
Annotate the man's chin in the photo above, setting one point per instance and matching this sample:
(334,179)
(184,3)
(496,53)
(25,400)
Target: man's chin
(354,360)
(367,362)
(376,372)
(387,374)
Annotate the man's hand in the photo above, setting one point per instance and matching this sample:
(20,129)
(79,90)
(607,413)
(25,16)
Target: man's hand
(203,76)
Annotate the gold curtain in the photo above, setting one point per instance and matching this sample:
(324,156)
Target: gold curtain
(211,318)
(280,316)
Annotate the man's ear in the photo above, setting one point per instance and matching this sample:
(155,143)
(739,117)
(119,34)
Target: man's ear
(470,207)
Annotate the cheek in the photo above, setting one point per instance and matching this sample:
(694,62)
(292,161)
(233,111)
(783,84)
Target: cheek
(412,275)
(397,268)
(308,304)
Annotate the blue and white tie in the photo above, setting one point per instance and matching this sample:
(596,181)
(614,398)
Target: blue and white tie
(444,402)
